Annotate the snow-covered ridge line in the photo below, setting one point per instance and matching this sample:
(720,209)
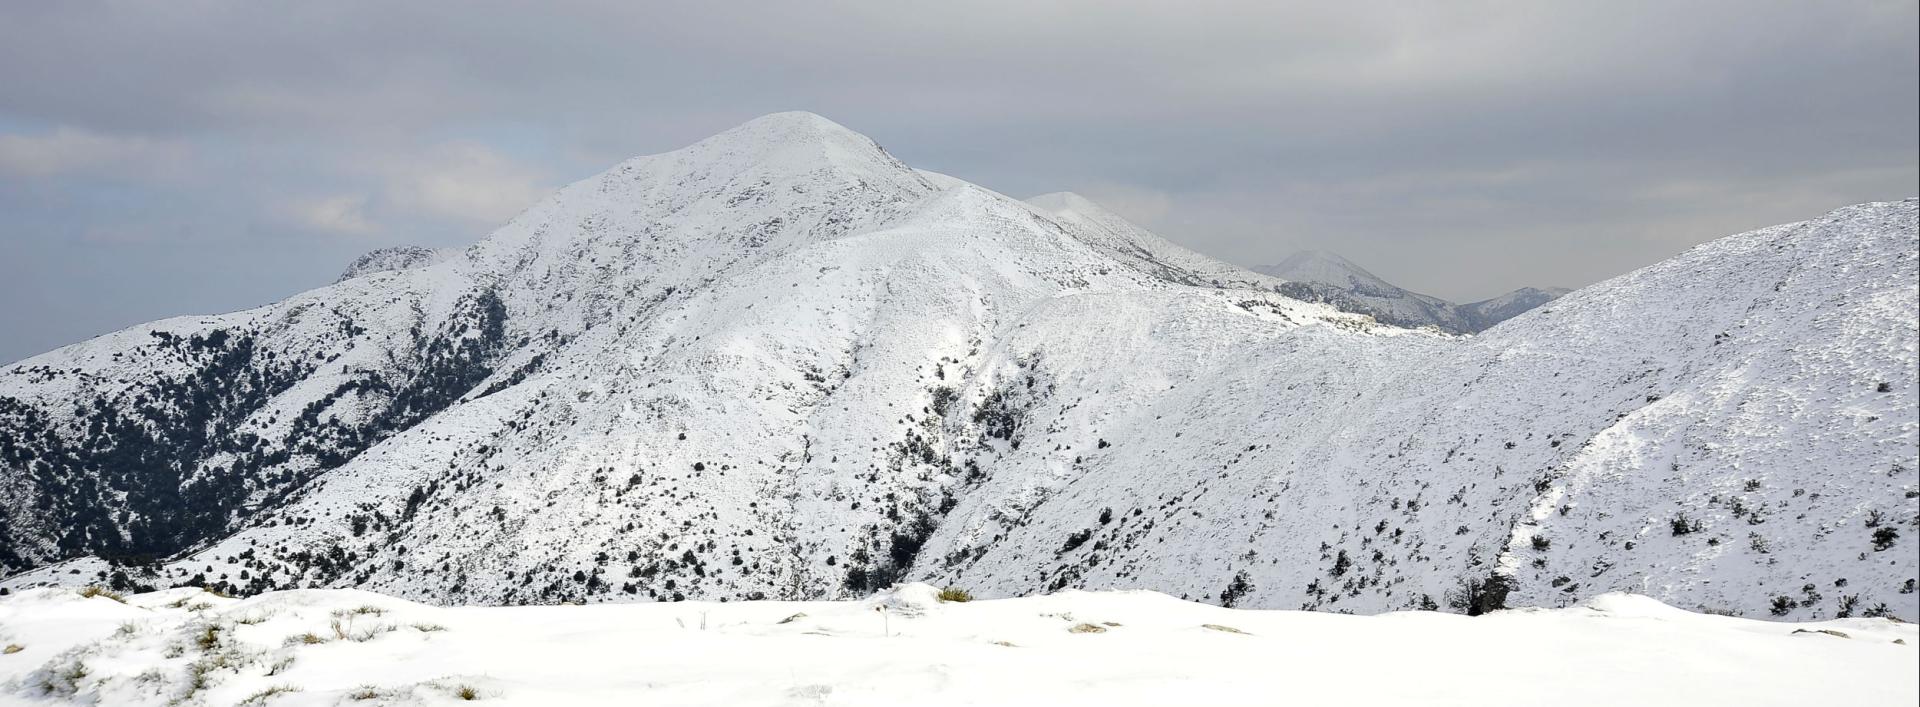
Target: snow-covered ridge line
(905,645)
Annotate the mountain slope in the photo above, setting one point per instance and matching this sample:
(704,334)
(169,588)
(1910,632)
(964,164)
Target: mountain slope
(779,363)
(1759,389)
(1321,276)
(1121,240)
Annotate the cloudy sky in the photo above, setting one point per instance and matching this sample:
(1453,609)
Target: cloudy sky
(164,158)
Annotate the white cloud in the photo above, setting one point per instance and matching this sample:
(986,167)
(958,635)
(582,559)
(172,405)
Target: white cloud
(464,182)
(344,214)
(68,151)
(1142,205)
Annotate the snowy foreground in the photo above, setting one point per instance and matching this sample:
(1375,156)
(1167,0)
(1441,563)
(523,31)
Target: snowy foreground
(329,647)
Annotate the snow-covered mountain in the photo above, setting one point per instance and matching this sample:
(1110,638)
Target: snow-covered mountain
(1483,314)
(780,363)
(1322,276)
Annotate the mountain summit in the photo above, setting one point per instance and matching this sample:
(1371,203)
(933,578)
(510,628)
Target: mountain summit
(780,363)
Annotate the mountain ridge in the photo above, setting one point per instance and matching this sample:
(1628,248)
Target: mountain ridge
(1325,276)
(779,363)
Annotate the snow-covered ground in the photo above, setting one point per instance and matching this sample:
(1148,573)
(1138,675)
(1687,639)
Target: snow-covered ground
(332,647)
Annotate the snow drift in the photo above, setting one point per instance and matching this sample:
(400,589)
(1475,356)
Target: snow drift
(331,647)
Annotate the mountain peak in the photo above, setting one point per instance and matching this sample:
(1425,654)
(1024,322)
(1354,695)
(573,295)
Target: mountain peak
(1067,201)
(802,137)
(1327,268)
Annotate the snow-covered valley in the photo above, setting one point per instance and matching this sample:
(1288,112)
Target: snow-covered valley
(780,364)
(335,647)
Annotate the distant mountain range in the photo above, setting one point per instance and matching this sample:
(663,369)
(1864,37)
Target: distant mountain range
(779,363)
(1321,276)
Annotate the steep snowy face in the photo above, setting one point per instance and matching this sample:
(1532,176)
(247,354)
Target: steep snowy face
(779,363)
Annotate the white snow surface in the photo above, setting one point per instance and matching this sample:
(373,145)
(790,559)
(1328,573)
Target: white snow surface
(779,363)
(334,647)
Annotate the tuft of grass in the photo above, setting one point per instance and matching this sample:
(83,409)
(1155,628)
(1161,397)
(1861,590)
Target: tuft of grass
(346,631)
(262,696)
(428,627)
(1222,629)
(208,638)
(309,639)
(1087,628)
(1828,631)
(955,594)
(12,648)
(466,692)
(365,692)
(93,591)
(63,681)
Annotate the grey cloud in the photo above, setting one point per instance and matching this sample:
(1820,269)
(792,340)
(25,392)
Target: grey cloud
(1457,148)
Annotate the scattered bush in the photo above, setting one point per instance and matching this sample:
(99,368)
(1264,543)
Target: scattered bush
(12,648)
(1474,596)
(1682,525)
(1075,540)
(1883,538)
(1236,589)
